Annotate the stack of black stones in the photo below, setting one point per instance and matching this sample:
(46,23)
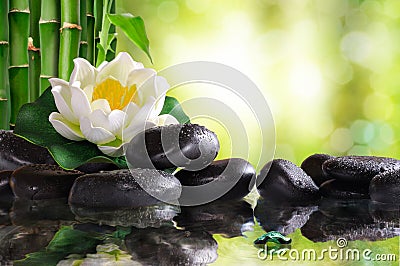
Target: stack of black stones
(356,197)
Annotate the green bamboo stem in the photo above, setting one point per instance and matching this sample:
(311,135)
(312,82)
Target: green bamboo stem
(34,51)
(83,43)
(18,18)
(69,37)
(90,30)
(4,85)
(49,27)
(98,18)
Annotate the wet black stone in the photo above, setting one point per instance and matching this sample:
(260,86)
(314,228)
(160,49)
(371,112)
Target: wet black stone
(16,151)
(168,246)
(188,146)
(90,168)
(285,182)
(358,168)
(139,217)
(344,190)
(234,172)
(312,165)
(120,189)
(229,218)
(40,181)
(282,218)
(385,187)
(6,193)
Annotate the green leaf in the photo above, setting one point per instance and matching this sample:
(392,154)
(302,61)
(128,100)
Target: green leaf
(33,124)
(173,107)
(66,241)
(134,29)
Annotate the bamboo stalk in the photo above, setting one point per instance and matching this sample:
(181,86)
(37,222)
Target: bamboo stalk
(69,37)
(98,18)
(83,43)
(90,30)
(33,50)
(18,18)
(49,27)
(4,85)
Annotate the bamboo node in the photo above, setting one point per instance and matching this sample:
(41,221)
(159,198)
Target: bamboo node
(3,43)
(16,10)
(83,42)
(67,25)
(43,21)
(3,99)
(31,46)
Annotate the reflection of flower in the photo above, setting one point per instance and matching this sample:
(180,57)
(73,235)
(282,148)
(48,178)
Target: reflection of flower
(110,104)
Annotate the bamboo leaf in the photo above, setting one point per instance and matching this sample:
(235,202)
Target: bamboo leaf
(133,27)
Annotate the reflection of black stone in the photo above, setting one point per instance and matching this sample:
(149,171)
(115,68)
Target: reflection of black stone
(347,219)
(169,246)
(282,218)
(17,241)
(120,189)
(229,218)
(385,187)
(140,217)
(16,151)
(285,182)
(6,194)
(312,165)
(43,212)
(385,212)
(344,190)
(358,168)
(235,172)
(158,147)
(40,181)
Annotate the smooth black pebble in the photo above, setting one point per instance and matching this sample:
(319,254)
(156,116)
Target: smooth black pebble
(358,168)
(235,173)
(40,181)
(283,181)
(6,193)
(312,165)
(16,151)
(120,188)
(385,187)
(343,190)
(186,146)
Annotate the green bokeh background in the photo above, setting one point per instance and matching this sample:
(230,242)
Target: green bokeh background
(329,69)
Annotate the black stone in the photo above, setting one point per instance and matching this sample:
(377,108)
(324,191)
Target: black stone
(139,217)
(235,173)
(120,189)
(40,181)
(188,146)
(358,168)
(283,182)
(229,218)
(282,218)
(385,212)
(385,187)
(312,165)
(16,151)
(6,193)
(168,246)
(344,190)
(90,168)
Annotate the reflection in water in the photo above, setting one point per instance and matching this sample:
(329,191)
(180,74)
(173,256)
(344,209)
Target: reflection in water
(285,219)
(140,217)
(228,218)
(169,246)
(352,220)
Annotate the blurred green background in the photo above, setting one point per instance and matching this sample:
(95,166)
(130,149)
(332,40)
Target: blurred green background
(329,69)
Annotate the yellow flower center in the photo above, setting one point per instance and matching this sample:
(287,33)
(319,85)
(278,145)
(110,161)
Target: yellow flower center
(117,96)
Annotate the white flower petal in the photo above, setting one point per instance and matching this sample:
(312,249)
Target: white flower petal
(79,103)
(65,128)
(58,82)
(138,123)
(112,151)
(96,135)
(139,76)
(131,110)
(164,120)
(101,104)
(134,129)
(119,68)
(62,105)
(101,66)
(112,122)
(83,72)
(162,87)
(88,90)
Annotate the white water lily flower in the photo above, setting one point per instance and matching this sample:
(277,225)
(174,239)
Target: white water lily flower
(110,104)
